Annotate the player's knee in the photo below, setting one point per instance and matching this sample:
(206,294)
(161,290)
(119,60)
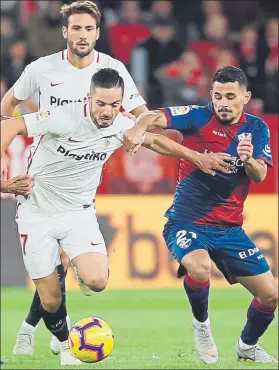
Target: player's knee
(270,299)
(97,284)
(51,303)
(200,271)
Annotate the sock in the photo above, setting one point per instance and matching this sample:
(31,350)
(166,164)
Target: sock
(62,280)
(34,315)
(56,322)
(258,319)
(198,296)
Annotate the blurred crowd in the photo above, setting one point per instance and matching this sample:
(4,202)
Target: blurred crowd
(171,49)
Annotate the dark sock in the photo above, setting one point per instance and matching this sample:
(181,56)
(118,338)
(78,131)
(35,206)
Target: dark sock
(198,296)
(258,319)
(62,280)
(56,322)
(34,315)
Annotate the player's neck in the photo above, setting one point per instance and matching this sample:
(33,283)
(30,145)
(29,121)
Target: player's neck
(237,118)
(79,62)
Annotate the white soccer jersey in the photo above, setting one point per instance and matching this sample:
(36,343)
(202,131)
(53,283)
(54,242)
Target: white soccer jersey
(58,82)
(68,161)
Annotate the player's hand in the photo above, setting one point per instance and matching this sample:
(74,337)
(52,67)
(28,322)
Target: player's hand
(245,149)
(132,140)
(210,162)
(19,185)
(129,115)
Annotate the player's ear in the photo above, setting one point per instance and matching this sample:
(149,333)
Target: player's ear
(211,93)
(247,97)
(98,33)
(64,32)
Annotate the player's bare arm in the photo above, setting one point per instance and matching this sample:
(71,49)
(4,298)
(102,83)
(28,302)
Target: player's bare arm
(8,104)
(22,184)
(256,169)
(19,185)
(145,122)
(139,110)
(9,130)
(207,163)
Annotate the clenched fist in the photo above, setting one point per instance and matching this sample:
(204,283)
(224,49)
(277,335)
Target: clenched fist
(245,149)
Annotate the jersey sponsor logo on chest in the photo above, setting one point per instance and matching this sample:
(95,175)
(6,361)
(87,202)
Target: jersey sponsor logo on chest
(78,157)
(235,161)
(54,101)
(219,133)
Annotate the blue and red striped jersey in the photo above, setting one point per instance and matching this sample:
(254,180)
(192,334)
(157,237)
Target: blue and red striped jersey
(206,199)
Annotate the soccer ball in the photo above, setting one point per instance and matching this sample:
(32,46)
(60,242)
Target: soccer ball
(91,339)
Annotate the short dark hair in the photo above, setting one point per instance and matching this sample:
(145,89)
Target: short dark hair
(230,74)
(80,7)
(107,78)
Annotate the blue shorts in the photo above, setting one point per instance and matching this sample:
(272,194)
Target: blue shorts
(230,248)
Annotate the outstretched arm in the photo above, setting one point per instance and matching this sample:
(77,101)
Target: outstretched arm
(207,163)
(145,122)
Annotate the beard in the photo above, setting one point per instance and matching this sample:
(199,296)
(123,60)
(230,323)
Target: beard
(100,123)
(222,117)
(81,53)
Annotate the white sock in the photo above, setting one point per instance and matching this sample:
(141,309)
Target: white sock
(244,345)
(206,322)
(64,345)
(68,322)
(27,328)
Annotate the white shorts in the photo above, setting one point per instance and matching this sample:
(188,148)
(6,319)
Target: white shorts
(42,237)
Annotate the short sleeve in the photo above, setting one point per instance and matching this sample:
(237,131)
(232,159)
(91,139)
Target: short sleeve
(27,84)
(261,143)
(132,98)
(186,118)
(58,121)
(125,124)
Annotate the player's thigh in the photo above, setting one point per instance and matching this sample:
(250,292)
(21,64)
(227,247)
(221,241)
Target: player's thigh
(65,260)
(93,269)
(85,246)
(40,250)
(49,291)
(262,286)
(186,242)
(237,255)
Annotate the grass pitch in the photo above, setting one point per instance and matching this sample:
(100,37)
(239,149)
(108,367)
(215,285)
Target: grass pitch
(152,329)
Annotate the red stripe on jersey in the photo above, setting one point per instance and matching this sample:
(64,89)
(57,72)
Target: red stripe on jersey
(231,212)
(63,55)
(16,215)
(266,161)
(98,58)
(121,109)
(167,115)
(30,158)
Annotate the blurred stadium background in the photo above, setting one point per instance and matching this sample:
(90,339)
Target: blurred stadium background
(171,48)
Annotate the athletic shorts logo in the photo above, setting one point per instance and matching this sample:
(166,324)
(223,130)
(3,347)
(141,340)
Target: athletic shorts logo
(56,84)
